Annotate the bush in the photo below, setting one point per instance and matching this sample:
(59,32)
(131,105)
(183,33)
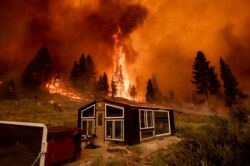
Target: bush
(239,113)
(222,142)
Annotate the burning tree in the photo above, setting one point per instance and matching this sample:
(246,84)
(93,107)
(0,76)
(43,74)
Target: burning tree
(133,92)
(120,76)
(113,87)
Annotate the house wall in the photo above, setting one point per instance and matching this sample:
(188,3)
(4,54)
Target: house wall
(100,128)
(132,129)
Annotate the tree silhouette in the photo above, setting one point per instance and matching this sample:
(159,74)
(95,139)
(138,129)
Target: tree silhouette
(113,87)
(120,82)
(150,94)
(90,69)
(230,84)
(200,74)
(133,92)
(102,84)
(39,70)
(214,83)
(83,73)
(158,94)
(75,72)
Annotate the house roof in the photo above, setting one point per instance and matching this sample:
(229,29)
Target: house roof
(125,102)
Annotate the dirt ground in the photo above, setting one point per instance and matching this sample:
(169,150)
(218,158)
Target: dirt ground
(140,154)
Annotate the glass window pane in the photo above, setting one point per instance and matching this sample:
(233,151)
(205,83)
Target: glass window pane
(113,111)
(100,117)
(84,127)
(142,119)
(118,129)
(109,129)
(88,112)
(90,127)
(150,118)
(161,123)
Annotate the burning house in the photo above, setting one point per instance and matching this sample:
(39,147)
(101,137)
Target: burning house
(125,121)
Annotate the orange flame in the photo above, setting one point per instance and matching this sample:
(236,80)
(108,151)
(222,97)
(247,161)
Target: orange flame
(56,87)
(120,74)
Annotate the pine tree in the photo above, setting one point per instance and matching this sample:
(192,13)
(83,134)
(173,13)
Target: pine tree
(200,74)
(150,94)
(214,83)
(39,70)
(120,80)
(82,65)
(230,84)
(113,87)
(102,84)
(105,83)
(158,94)
(133,92)
(78,73)
(74,74)
(90,69)
(99,84)
(83,73)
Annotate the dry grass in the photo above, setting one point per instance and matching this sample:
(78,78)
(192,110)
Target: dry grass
(28,110)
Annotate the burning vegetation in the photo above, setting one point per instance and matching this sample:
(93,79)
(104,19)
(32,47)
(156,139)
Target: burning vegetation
(56,86)
(120,75)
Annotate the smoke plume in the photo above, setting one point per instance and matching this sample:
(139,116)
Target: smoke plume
(68,28)
(161,37)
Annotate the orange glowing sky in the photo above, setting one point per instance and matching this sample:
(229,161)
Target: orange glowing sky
(162,37)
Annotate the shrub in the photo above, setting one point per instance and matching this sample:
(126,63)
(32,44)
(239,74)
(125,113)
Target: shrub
(239,113)
(222,142)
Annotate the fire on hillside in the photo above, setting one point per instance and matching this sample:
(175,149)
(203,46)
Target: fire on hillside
(56,86)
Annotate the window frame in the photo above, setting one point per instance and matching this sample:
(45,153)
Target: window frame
(93,126)
(113,129)
(146,118)
(114,117)
(169,126)
(88,117)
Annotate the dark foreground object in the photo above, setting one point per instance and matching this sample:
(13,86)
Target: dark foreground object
(64,145)
(23,144)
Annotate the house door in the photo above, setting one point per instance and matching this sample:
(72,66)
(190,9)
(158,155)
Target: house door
(100,125)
